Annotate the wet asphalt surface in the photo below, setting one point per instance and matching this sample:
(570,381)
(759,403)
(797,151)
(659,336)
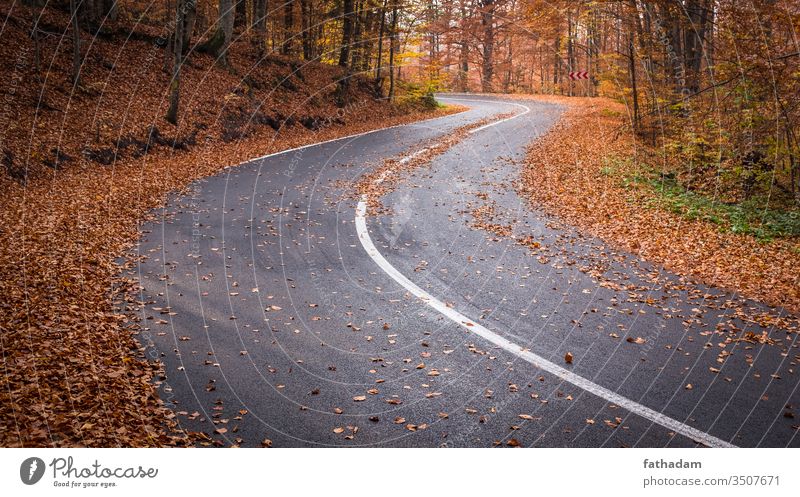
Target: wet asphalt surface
(273,323)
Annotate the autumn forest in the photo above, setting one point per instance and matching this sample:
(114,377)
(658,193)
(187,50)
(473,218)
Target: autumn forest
(661,136)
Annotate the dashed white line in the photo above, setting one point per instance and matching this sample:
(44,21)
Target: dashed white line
(495,123)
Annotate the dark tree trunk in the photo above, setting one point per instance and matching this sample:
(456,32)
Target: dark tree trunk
(356,51)
(240,14)
(392,48)
(634,90)
(694,40)
(347,33)
(463,53)
(218,44)
(189,17)
(177,48)
(570,53)
(260,23)
(305,23)
(557,64)
(288,25)
(487,21)
(379,61)
(97,12)
(76,43)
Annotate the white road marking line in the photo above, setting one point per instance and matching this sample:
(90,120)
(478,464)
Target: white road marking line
(408,158)
(523,353)
(527,109)
(356,135)
(404,160)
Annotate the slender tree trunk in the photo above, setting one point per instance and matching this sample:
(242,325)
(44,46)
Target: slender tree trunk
(347,33)
(305,23)
(379,61)
(570,53)
(189,18)
(355,52)
(260,24)
(509,65)
(487,21)
(288,26)
(392,48)
(76,43)
(240,14)
(366,38)
(219,42)
(557,65)
(177,47)
(37,57)
(634,89)
(463,53)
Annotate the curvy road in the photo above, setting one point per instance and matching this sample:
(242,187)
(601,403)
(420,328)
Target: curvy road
(287,314)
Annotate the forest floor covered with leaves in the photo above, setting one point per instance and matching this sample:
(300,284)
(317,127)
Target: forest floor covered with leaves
(590,171)
(83,166)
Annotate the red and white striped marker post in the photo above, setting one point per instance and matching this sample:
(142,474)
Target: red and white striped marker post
(573,75)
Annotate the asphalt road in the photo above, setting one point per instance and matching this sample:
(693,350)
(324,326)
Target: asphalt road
(274,321)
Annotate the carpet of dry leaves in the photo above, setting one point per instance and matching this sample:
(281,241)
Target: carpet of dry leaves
(82,168)
(564,175)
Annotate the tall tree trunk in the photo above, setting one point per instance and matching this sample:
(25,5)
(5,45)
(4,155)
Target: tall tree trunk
(694,40)
(219,42)
(189,17)
(379,61)
(358,25)
(288,27)
(177,47)
(347,33)
(97,12)
(487,21)
(557,65)
(634,89)
(76,43)
(260,24)
(463,52)
(305,24)
(570,53)
(367,40)
(37,53)
(392,48)
(240,14)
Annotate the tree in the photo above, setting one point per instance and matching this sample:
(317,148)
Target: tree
(189,20)
(393,47)
(288,27)
(177,47)
(347,32)
(487,21)
(76,43)
(240,14)
(463,47)
(306,23)
(218,44)
(378,63)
